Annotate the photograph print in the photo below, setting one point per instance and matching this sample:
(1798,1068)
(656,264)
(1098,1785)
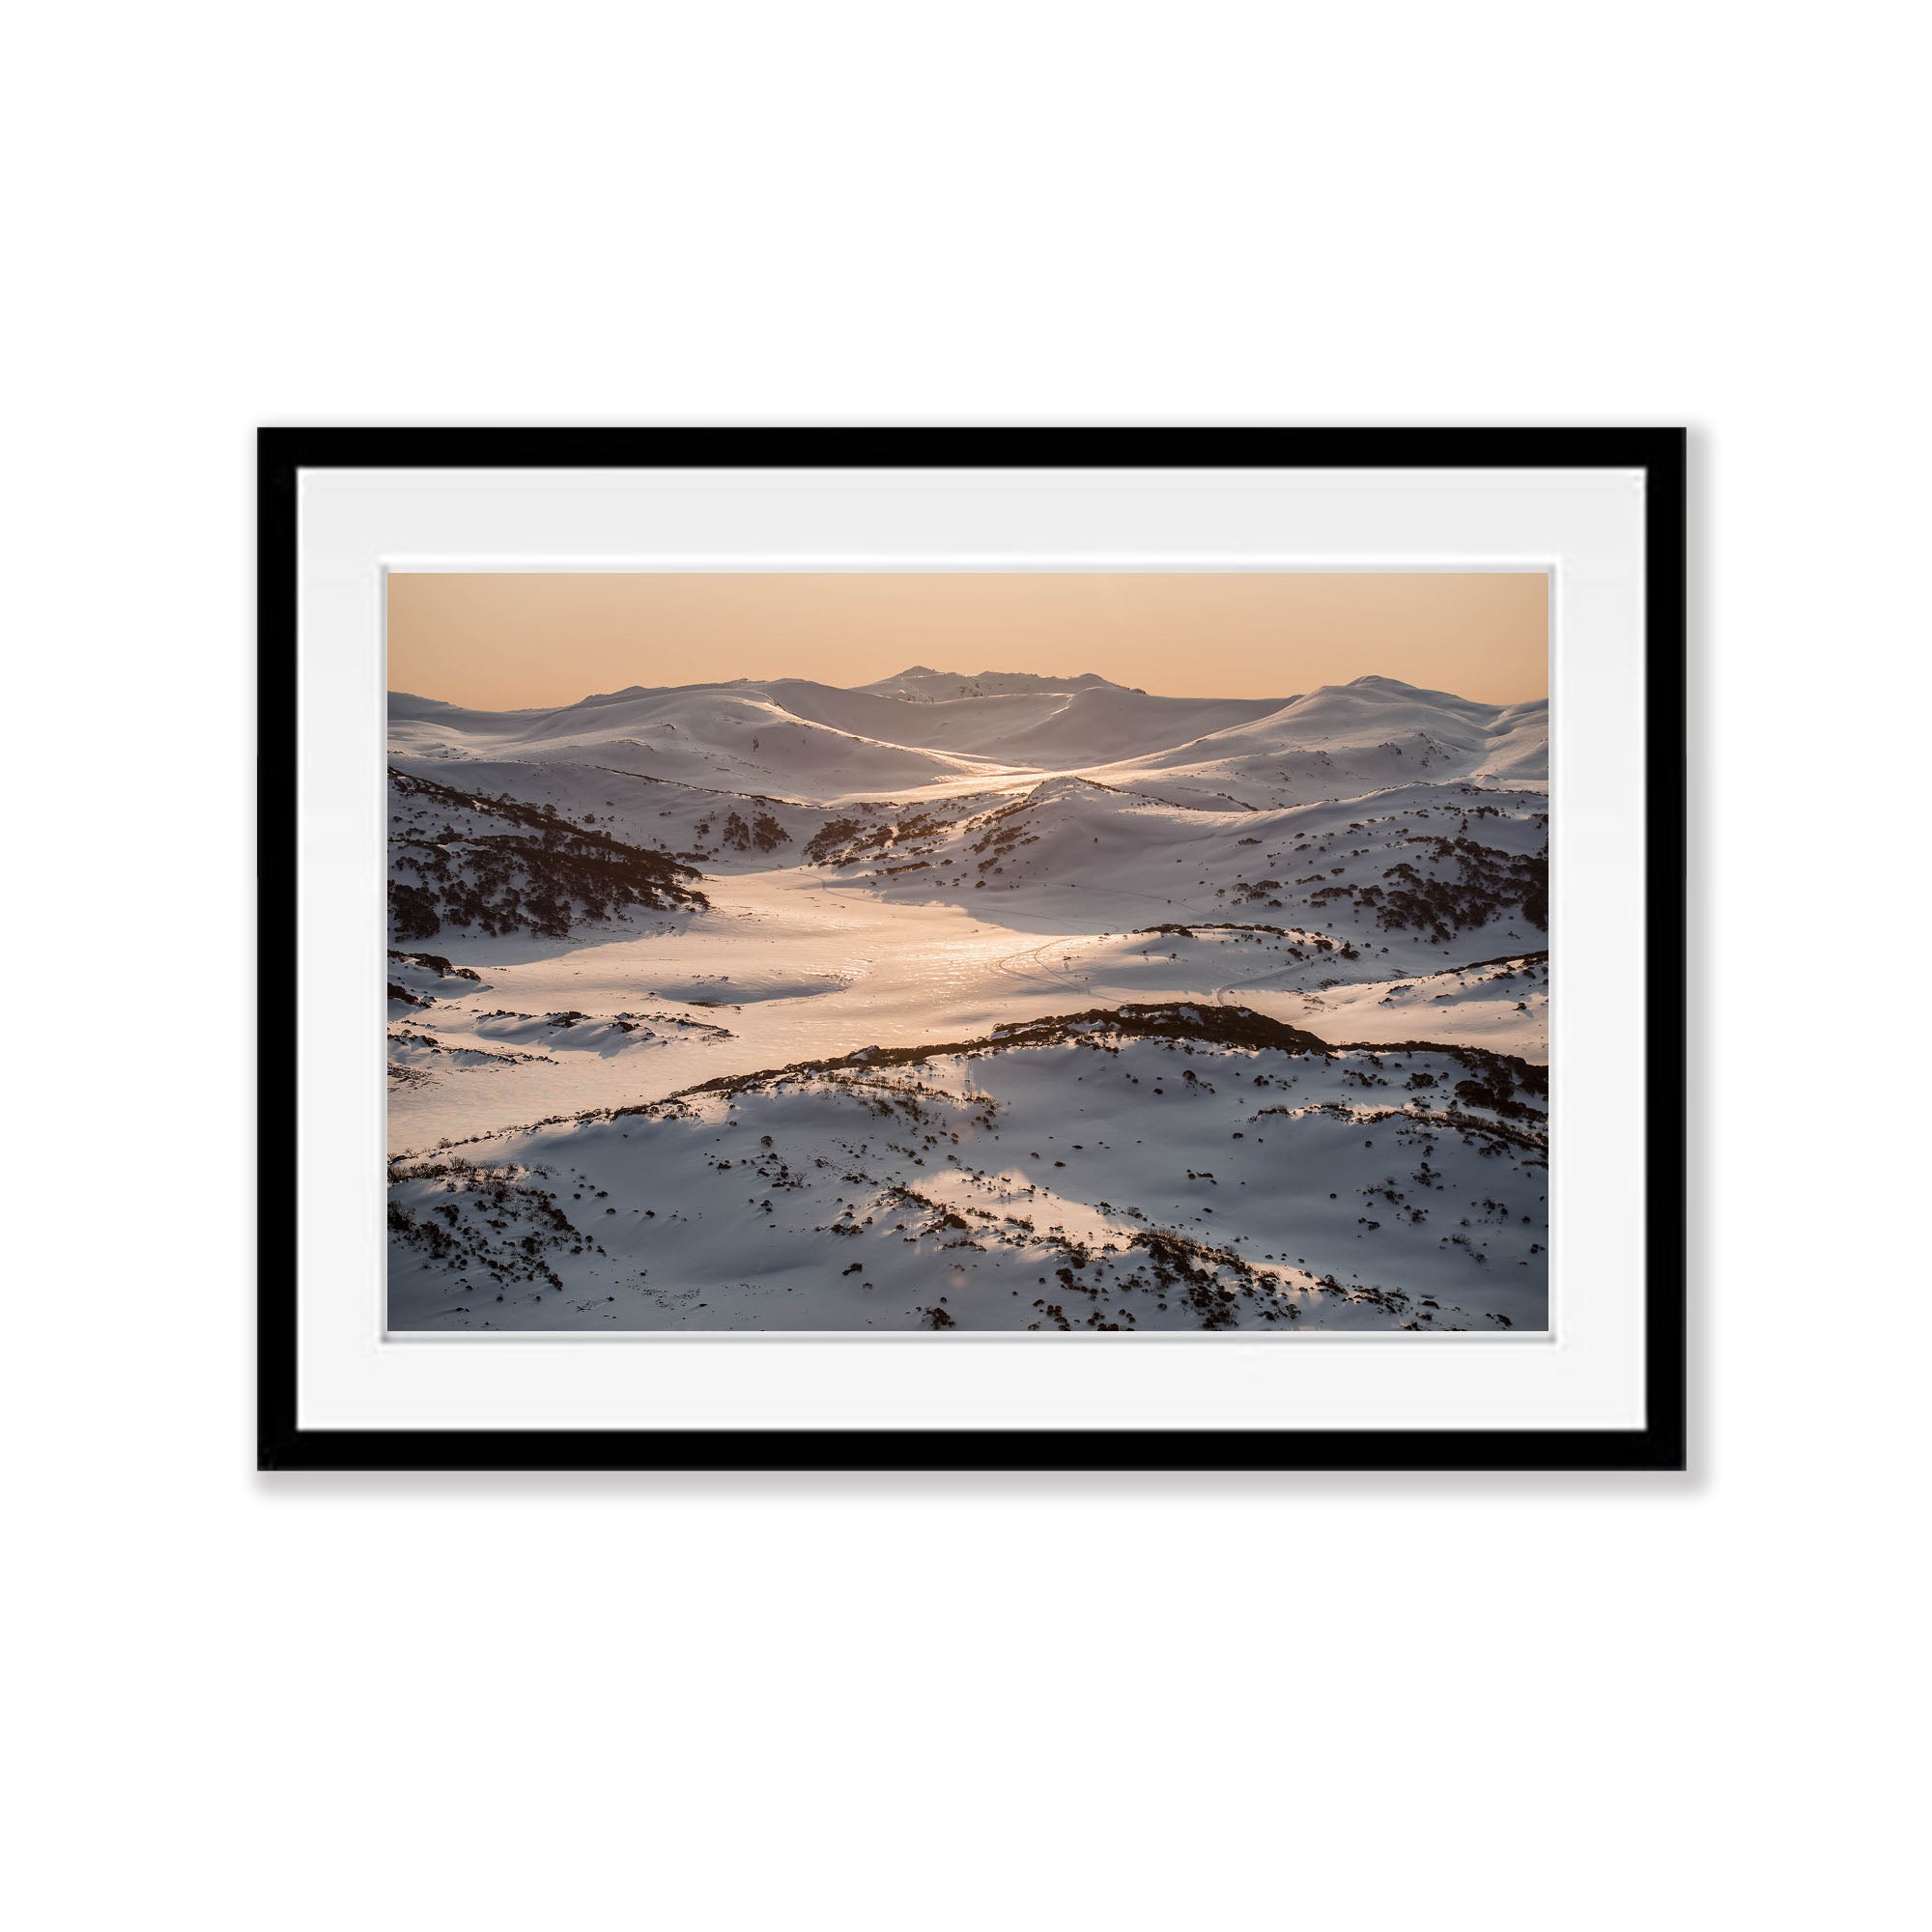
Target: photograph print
(1037,953)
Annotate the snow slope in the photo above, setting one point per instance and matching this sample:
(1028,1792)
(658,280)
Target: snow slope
(1148,1170)
(1344,740)
(735,737)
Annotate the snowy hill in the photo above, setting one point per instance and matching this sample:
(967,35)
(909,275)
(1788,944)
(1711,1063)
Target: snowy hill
(791,734)
(1145,1169)
(499,867)
(737,737)
(1341,741)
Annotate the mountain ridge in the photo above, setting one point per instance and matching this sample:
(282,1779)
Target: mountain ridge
(801,737)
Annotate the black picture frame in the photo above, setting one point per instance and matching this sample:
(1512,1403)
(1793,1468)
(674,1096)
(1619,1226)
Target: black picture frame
(282,1444)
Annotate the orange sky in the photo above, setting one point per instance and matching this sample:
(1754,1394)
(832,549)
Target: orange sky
(506,640)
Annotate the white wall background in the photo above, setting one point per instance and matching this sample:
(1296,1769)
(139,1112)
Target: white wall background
(1336,1703)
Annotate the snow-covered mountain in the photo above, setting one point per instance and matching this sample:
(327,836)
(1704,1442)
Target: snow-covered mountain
(797,738)
(923,684)
(879,927)
(1341,740)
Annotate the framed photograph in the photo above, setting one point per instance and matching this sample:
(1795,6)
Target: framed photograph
(972,949)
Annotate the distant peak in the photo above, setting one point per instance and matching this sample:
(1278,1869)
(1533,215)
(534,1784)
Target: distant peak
(924,682)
